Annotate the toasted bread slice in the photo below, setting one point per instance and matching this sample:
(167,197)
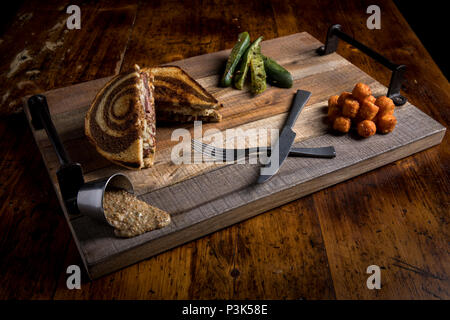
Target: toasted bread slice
(180,98)
(120,122)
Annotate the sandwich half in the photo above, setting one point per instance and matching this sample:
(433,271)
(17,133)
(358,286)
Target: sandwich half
(120,122)
(179,98)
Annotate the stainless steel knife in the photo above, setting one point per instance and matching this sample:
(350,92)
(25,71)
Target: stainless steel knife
(286,138)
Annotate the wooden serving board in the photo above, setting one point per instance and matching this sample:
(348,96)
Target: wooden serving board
(203,198)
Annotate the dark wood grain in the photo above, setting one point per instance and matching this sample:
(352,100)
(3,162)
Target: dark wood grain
(406,203)
(52,56)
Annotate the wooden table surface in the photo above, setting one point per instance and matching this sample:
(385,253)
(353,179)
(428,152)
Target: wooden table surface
(317,247)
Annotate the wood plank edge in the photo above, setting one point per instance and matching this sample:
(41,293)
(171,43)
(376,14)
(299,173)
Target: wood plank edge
(242,213)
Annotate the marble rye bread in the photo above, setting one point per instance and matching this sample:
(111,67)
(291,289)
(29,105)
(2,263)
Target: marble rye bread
(179,98)
(120,122)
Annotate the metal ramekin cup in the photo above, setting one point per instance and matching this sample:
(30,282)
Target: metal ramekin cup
(90,196)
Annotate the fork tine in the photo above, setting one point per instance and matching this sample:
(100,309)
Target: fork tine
(210,147)
(196,143)
(219,152)
(197,148)
(207,150)
(202,146)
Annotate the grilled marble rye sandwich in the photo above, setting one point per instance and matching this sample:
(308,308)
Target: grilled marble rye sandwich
(179,98)
(121,120)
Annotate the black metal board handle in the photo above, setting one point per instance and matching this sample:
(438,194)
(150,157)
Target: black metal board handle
(334,34)
(69,174)
(41,120)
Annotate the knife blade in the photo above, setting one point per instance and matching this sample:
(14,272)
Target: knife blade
(286,138)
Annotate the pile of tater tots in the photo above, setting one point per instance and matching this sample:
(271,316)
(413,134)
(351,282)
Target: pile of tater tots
(361,108)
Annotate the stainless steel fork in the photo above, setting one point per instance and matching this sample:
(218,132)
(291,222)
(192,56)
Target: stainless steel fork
(222,154)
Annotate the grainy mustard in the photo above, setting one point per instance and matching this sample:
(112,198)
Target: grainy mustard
(130,216)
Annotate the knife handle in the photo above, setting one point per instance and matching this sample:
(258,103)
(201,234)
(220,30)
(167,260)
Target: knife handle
(301,97)
(324,152)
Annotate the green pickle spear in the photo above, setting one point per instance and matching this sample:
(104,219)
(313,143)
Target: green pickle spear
(241,73)
(276,74)
(234,58)
(258,73)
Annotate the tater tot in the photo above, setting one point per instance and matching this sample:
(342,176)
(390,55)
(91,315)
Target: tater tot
(344,95)
(361,91)
(367,111)
(386,123)
(333,101)
(333,112)
(350,108)
(386,105)
(342,124)
(366,128)
(370,99)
